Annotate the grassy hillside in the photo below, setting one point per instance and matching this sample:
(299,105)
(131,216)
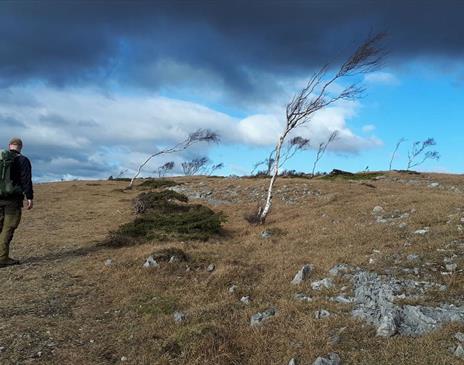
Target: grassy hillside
(67,304)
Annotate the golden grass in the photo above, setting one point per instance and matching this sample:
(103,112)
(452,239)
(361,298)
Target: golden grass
(65,304)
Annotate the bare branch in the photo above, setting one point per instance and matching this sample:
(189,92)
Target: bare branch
(200,135)
(398,144)
(417,149)
(322,148)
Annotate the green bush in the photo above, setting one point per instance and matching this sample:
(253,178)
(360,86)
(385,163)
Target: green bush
(157,183)
(166,215)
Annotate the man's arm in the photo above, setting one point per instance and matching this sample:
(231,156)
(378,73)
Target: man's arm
(26,180)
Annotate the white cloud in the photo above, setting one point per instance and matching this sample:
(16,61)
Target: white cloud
(84,133)
(383,78)
(368,128)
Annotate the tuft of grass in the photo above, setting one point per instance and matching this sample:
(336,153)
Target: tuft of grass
(157,305)
(157,184)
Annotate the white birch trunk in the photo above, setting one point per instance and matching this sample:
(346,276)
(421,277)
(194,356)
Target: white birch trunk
(267,207)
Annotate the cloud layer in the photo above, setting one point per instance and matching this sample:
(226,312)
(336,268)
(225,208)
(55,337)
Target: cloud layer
(84,133)
(227,47)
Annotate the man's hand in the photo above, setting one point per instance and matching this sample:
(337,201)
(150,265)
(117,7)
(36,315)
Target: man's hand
(30,204)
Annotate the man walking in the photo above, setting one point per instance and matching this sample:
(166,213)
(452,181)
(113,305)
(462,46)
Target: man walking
(15,183)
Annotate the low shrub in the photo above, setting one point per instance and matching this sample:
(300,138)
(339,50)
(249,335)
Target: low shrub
(157,184)
(167,215)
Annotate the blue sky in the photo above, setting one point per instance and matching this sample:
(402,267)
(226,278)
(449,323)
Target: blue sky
(94,87)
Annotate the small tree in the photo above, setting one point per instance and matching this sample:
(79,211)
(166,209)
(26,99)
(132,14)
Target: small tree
(316,96)
(321,150)
(398,144)
(292,147)
(194,166)
(215,167)
(168,166)
(417,155)
(200,135)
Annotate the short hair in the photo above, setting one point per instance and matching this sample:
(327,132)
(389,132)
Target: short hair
(16,141)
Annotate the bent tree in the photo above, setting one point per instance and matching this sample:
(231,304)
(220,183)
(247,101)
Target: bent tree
(318,94)
(200,135)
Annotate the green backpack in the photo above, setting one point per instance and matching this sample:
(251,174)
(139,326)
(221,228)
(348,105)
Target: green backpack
(7,189)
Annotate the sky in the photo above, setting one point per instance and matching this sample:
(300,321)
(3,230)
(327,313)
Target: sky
(94,87)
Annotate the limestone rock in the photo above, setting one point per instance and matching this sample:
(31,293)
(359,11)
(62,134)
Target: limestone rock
(339,269)
(258,318)
(245,300)
(326,283)
(179,317)
(150,262)
(302,274)
(423,231)
(459,352)
(330,359)
(322,313)
(303,297)
(459,336)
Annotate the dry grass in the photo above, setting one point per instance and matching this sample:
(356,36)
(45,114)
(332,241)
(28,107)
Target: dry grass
(65,304)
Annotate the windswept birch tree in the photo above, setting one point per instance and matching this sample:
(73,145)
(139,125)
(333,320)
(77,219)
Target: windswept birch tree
(200,135)
(397,146)
(417,155)
(321,150)
(317,95)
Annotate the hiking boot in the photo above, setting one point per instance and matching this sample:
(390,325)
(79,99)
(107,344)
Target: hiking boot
(8,262)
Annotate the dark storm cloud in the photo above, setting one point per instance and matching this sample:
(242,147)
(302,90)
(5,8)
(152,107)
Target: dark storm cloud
(68,43)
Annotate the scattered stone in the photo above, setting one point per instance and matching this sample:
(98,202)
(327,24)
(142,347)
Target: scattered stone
(339,269)
(451,267)
(459,352)
(402,225)
(434,185)
(108,262)
(377,210)
(375,302)
(233,288)
(412,257)
(211,268)
(343,299)
(292,362)
(303,297)
(266,234)
(179,317)
(245,300)
(150,262)
(173,259)
(330,359)
(423,231)
(258,318)
(459,336)
(302,274)
(322,313)
(324,283)
(2,348)
(123,358)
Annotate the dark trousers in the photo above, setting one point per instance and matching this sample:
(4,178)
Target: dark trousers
(10,216)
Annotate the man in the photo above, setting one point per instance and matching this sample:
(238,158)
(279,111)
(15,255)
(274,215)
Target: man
(11,203)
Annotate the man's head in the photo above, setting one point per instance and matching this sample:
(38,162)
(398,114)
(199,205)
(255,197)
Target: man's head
(16,144)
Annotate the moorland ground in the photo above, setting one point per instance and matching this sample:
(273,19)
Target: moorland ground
(64,305)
